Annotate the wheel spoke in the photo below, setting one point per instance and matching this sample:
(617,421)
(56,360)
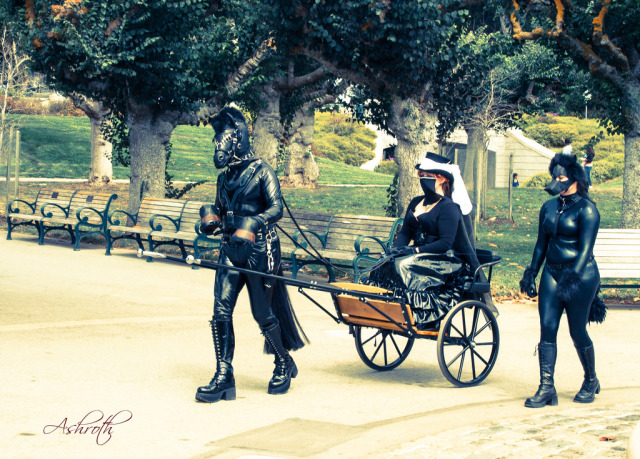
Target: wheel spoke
(464,322)
(480,357)
(453,327)
(461,353)
(377,350)
(482,329)
(372,337)
(393,340)
(384,342)
(461,365)
(476,311)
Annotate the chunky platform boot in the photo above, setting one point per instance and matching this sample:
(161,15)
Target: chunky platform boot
(546,394)
(285,368)
(591,385)
(223,384)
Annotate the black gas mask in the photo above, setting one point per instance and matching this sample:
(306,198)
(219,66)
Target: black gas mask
(556,187)
(231,138)
(225,143)
(428,185)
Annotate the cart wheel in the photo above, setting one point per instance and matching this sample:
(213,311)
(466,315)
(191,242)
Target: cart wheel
(468,342)
(382,349)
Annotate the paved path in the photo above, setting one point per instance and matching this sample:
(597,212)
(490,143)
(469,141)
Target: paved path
(83,334)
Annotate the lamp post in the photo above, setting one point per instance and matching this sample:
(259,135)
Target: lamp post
(587,98)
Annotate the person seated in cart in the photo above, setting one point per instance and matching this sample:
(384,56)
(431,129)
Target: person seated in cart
(434,224)
(432,219)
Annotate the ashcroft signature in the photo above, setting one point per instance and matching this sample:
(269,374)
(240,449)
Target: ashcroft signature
(92,424)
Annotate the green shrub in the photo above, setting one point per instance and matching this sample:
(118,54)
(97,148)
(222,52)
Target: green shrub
(539,180)
(606,170)
(561,131)
(547,118)
(338,139)
(540,133)
(387,167)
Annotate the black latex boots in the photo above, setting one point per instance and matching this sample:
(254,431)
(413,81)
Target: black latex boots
(285,366)
(591,385)
(223,384)
(546,394)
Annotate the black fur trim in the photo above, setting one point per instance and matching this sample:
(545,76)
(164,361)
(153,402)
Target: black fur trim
(598,311)
(568,286)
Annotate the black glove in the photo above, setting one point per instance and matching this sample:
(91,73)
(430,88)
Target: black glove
(402,251)
(528,283)
(209,219)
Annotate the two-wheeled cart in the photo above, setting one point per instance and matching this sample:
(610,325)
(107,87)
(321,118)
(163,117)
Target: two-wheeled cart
(384,326)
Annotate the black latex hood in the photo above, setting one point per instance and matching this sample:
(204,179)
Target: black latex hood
(231,137)
(573,171)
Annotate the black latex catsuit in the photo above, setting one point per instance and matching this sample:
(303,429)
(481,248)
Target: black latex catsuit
(248,189)
(567,231)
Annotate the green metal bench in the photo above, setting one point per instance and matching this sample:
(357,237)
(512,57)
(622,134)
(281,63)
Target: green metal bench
(85,215)
(32,213)
(185,229)
(123,225)
(348,241)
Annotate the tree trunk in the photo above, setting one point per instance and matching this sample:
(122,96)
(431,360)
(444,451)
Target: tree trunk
(149,135)
(300,168)
(267,129)
(631,181)
(101,172)
(474,145)
(415,131)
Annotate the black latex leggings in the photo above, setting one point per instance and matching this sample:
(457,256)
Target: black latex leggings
(550,307)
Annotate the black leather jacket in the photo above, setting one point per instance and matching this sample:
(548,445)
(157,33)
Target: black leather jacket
(249,189)
(567,231)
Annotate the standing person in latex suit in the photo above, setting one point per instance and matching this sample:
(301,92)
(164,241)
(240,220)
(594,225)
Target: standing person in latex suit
(432,220)
(567,231)
(248,203)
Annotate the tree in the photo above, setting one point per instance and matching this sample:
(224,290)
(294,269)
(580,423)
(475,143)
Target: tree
(101,172)
(12,64)
(403,52)
(271,119)
(154,64)
(603,37)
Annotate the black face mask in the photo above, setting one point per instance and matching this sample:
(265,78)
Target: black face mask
(225,145)
(556,187)
(428,185)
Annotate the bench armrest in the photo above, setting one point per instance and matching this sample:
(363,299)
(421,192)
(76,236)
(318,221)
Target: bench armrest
(85,218)
(15,210)
(158,227)
(134,218)
(49,215)
(299,238)
(358,244)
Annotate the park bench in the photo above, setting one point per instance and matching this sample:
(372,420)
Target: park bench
(170,231)
(161,221)
(85,215)
(19,215)
(617,252)
(350,242)
(123,225)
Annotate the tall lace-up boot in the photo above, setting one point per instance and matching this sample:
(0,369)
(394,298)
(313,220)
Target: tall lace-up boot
(223,384)
(285,368)
(546,394)
(591,385)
